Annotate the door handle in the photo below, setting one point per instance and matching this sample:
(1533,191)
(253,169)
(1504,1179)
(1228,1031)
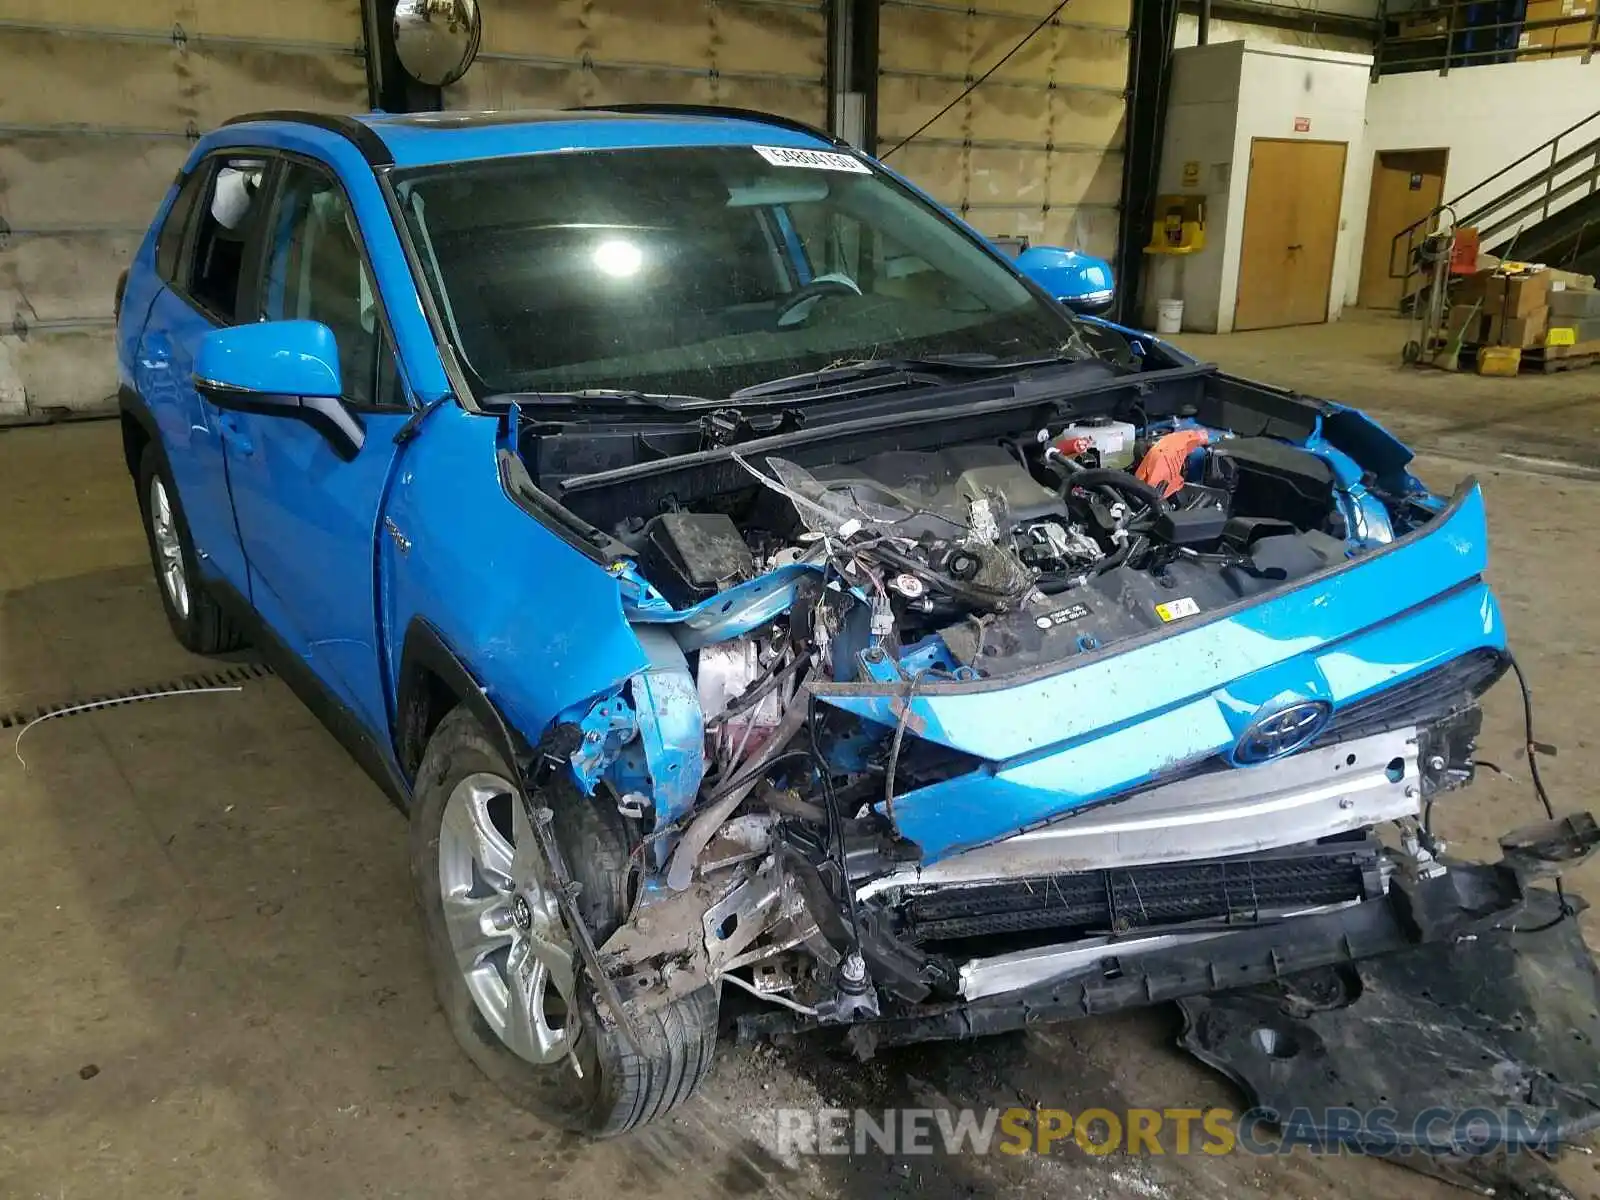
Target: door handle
(236,437)
(1298,246)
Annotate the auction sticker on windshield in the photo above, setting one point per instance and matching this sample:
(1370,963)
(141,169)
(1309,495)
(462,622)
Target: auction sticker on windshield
(816,160)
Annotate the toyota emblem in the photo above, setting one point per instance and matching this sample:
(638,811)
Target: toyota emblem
(1282,731)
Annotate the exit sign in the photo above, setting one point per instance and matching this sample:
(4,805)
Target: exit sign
(1302,124)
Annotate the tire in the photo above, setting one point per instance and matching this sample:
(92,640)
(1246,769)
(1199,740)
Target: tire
(619,1089)
(197,621)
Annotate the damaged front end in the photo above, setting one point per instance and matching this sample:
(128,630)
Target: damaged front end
(1032,716)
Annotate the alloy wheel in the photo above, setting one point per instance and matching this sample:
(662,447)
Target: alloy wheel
(169,550)
(504,920)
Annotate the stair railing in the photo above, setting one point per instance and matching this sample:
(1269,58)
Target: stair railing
(1559,177)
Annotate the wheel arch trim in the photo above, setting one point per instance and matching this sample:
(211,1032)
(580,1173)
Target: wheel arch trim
(132,407)
(424,653)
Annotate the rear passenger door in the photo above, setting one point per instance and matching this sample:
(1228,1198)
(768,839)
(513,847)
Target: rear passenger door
(308,519)
(206,253)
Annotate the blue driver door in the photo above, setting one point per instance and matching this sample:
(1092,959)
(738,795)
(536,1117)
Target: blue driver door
(307,515)
(206,247)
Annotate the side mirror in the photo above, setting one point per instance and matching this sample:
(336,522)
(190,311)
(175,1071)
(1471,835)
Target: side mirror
(1080,281)
(280,369)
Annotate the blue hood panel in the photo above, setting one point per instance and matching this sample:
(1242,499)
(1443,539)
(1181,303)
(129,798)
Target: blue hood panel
(1098,726)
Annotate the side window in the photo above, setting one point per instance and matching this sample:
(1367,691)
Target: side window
(223,235)
(315,272)
(169,242)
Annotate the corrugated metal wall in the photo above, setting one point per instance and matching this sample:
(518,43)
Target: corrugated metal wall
(100,105)
(102,101)
(1037,149)
(766,54)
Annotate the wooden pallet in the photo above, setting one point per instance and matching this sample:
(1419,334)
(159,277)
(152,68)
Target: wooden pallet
(1547,360)
(1541,360)
(1549,366)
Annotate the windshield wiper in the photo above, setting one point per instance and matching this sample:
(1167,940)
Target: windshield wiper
(929,369)
(613,398)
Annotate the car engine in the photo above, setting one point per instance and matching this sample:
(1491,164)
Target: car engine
(986,558)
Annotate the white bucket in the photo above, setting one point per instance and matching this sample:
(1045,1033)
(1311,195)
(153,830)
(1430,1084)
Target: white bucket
(1169,316)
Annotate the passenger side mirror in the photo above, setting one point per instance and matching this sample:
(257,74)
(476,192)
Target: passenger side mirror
(280,369)
(1080,281)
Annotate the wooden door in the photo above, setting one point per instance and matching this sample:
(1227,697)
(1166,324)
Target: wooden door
(1407,185)
(1291,225)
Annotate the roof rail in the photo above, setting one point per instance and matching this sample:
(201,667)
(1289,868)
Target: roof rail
(717,110)
(358,134)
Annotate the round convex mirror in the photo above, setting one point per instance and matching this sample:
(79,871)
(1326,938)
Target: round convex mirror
(437,39)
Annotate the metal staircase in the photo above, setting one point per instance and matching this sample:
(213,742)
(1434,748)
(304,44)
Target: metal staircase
(1542,207)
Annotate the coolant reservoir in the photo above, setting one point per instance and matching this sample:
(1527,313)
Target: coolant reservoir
(1113,440)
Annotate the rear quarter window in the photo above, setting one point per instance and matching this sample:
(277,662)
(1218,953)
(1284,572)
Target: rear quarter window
(169,240)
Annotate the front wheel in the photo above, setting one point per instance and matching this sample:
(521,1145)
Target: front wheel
(197,621)
(507,971)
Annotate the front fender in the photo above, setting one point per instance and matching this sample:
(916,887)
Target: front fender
(537,623)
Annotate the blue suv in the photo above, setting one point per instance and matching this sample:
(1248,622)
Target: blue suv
(759,594)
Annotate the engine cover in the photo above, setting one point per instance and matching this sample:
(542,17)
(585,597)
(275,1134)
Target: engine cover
(936,489)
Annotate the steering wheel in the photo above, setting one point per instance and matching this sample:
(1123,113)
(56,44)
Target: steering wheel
(799,307)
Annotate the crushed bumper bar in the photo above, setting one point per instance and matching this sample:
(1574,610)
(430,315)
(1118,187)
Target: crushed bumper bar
(1469,900)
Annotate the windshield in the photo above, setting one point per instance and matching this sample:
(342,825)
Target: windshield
(703,270)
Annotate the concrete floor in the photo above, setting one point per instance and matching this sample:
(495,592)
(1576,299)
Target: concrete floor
(213,983)
(1530,421)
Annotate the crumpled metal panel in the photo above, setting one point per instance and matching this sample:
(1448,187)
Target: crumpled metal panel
(1070,738)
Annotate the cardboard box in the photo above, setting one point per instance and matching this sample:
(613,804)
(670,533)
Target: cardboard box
(1556,10)
(1556,41)
(1467,320)
(1429,23)
(1519,331)
(1575,302)
(1571,280)
(1474,288)
(1571,39)
(1516,295)
(1572,331)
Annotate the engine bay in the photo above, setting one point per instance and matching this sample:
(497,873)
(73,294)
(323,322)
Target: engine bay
(852,627)
(986,557)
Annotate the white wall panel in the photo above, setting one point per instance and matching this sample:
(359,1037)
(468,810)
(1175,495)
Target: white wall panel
(1498,113)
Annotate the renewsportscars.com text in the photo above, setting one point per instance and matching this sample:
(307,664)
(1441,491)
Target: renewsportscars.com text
(1160,1131)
